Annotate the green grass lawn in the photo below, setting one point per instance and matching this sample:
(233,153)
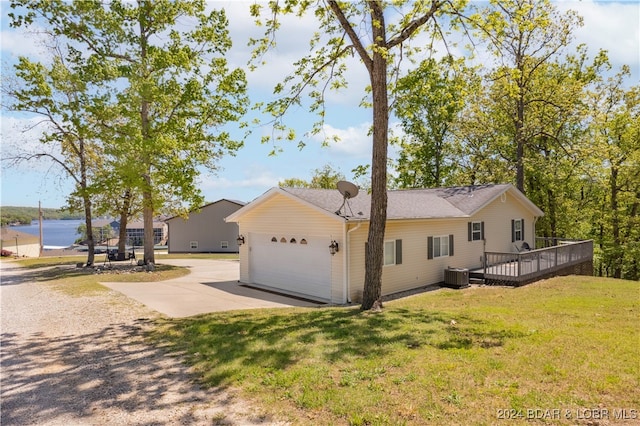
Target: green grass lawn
(60,273)
(484,355)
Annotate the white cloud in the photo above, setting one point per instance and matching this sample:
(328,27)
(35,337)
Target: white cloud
(29,42)
(258,177)
(612,26)
(354,141)
(20,136)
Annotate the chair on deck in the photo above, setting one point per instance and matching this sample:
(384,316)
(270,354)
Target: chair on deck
(525,247)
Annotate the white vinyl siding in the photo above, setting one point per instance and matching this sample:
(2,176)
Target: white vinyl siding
(284,219)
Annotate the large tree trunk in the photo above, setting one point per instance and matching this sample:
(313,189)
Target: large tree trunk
(378,220)
(615,224)
(124,219)
(87,220)
(519,139)
(147,215)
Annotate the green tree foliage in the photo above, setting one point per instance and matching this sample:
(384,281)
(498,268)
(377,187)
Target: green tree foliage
(60,95)
(25,215)
(524,34)
(379,34)
(428,101)
(325,178)
(614,175)
(170,90)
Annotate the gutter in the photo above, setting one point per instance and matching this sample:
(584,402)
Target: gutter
(347,276)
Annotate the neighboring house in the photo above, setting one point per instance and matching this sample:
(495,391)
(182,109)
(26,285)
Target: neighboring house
(20,243)
(135,231)
(204,230)
(287,234)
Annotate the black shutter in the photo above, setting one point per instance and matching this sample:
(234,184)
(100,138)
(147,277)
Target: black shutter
(513,230)
(398,252)
(522,227)
(482,230)
(430,248)
(451,245)
(470,231)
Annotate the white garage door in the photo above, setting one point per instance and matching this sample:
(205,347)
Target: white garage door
(294,264)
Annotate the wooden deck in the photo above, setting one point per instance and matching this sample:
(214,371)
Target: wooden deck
(524,267)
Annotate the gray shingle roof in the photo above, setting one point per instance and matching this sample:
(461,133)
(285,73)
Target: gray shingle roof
(406,204)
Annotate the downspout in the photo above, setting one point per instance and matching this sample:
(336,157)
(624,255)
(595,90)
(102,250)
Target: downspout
(347,276)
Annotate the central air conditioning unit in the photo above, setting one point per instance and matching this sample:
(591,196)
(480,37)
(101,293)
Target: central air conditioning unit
(456,277)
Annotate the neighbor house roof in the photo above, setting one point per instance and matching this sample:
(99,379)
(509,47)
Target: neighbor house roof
(239,203)
(453,202)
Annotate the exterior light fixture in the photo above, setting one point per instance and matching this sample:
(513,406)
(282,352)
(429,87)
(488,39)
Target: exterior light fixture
(333,247)
(240,240)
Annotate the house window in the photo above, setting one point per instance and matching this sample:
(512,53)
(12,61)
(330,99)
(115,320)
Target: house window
(389,253)
(439,246)
(476,231)
(193,244)
(224,244)
(517,230)
(392,252)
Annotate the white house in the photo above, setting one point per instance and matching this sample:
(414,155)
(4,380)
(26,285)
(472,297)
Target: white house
(287,235)
(205,230)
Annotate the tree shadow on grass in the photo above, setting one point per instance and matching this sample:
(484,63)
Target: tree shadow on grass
(110,376)
(225,345)
(50,273)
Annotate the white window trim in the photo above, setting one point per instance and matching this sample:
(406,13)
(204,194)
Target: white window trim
(477,232)
(517,230)
(193,244)
(440,238)
(224,244)
(384,253)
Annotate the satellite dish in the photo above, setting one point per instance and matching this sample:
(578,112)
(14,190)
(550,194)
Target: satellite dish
(348,190)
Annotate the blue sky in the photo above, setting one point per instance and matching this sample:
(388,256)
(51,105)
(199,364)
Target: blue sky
(613,26)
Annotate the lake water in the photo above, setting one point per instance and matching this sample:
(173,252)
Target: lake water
(61,233)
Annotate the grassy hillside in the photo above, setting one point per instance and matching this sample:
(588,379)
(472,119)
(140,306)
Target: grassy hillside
(24,215)
(556,352)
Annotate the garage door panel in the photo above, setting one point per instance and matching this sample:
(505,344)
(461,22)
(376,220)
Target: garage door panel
(293,267)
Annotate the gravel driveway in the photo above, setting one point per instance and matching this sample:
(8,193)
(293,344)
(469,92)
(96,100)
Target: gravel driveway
(83,361)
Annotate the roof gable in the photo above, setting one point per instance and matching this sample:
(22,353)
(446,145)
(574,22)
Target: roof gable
(314,204)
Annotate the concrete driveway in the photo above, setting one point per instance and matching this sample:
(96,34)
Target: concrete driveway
(212,286)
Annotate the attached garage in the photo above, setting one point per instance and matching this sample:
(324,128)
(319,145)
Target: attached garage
(294,264)
(286,236)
